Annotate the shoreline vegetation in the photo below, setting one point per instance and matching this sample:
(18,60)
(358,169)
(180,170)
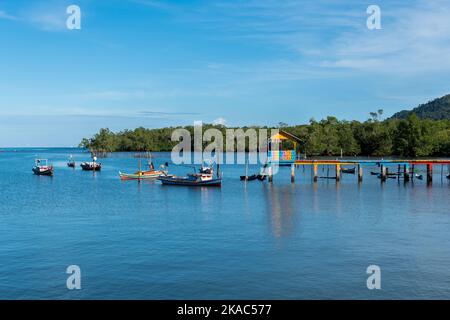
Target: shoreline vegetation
(410,137)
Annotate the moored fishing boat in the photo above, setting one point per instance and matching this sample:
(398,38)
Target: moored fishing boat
(261,177)
(91,166)
(349,170)
(71,162)
(249,178)
(143,175)
(42,168)
(205,178)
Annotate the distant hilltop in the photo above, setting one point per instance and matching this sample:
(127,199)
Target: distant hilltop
(437,109)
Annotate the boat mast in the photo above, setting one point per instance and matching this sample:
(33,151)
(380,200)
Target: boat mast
(246,167)
(218,165)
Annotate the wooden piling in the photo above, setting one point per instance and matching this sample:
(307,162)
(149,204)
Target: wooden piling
(360,173)
(383,173)
(270,174)
(338,172)
(315,172)
(429,173)
(405,173)
(292,173)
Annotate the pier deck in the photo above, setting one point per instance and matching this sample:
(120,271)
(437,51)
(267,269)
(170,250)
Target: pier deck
(404,167)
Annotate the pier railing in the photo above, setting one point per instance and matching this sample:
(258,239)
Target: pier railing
(405,167)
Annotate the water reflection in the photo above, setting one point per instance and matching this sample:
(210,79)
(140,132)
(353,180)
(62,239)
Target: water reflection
(280,208)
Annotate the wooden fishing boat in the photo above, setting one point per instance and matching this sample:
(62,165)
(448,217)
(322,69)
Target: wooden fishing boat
(419,176)
(261,177)
(246,177)
(42,168)
(142,175)
(71,162)
(348,170)
(249,178)
(387,176)
(448,176)
(205,178)
(91,166)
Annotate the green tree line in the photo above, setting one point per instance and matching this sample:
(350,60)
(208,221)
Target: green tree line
(410,137)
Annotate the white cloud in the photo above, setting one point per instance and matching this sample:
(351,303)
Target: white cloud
(414,40)
(219,121)
(47,16)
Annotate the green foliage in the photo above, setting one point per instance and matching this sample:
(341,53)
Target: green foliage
(437,109)
(410,137)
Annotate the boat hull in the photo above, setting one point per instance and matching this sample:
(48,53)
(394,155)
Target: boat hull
(43,172)
(90,167)
(145,175)
(176,181)
(249,178)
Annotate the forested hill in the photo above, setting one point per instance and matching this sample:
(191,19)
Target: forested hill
(436,109)
(411,137)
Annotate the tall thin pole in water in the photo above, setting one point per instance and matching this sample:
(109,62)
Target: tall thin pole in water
(218,164)
(246,168)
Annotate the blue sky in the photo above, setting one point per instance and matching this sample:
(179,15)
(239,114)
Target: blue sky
(153,63)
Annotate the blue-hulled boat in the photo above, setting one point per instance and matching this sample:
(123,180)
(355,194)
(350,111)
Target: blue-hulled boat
(204,178)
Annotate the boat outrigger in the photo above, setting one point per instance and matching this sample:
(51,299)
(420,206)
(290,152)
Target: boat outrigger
(42,168)
(204,178)
(144,175)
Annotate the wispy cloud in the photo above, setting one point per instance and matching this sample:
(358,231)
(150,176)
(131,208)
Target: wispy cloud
(415,40)
(45,15)
(319,38)
(112,95)
(155,4)
(6,16)
(163,113)
(154,113)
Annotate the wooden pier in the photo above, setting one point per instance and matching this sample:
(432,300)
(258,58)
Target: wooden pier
(404,168)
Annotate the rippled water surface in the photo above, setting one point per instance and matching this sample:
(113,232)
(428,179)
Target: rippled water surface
(245,240)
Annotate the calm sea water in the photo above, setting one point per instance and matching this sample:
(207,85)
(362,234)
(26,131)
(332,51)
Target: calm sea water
(245,240)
